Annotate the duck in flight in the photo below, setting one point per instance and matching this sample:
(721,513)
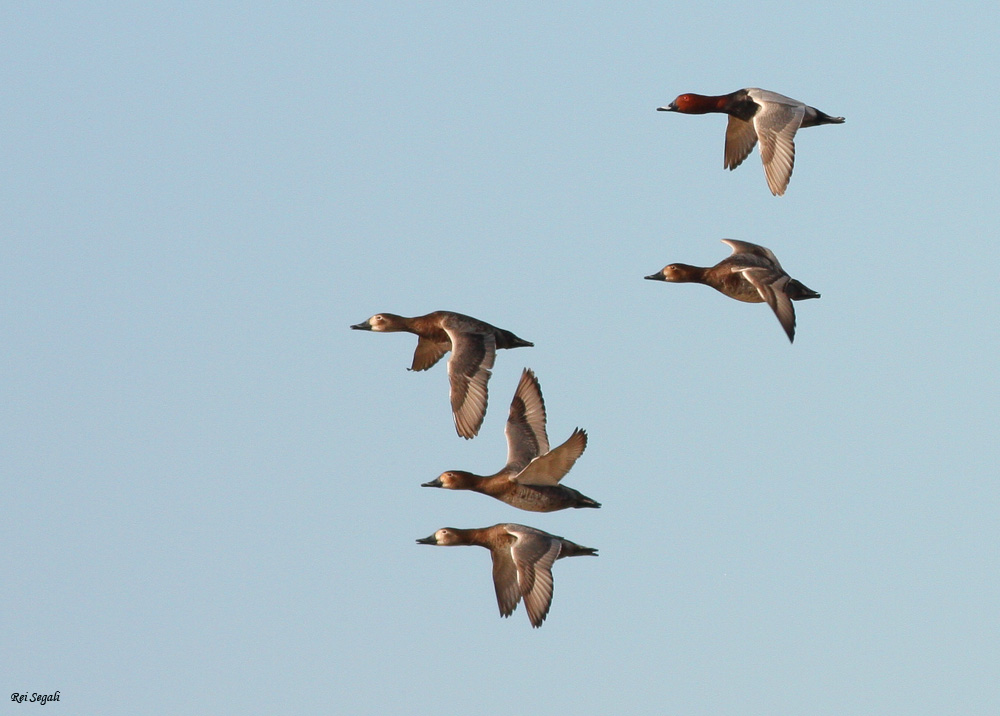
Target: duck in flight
(757,114)
(751,274)
(473,345)
(530,479)
(522,562)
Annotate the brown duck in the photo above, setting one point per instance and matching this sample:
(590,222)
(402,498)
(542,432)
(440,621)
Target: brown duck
(751,274)
(473,344)
(530,479)
(522,562)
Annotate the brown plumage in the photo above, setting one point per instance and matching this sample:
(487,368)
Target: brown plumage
(522,562)
(751,274)
(530,479)
(473,344)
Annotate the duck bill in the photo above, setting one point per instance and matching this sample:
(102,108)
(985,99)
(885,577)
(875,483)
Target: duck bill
(363,326)
(427,540)
(672,107)
(655,277)
(436,482)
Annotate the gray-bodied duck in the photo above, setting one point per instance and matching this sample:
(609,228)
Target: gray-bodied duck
(522,562)
(751,274)
(473,345)
(530,479)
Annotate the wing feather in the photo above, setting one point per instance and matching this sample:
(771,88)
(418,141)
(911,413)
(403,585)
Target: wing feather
(534,554)
(771,287)
(469,371)
(740,140)
(550,468)
(526,437)
(505,580)
(428,353)
(776,125)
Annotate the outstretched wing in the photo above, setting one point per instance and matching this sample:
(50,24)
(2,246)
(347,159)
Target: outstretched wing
(771,287)
(469,371)
(550,468)
(526,438)
(740,140)
(776,125)
(428,353)
(534,554)
(505,580)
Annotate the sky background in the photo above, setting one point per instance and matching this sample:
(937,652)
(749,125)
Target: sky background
(211,485)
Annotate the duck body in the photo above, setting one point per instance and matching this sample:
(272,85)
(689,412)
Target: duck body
(751,274)
(757,114)
(530,479)
(504,486)
(522,562)
(473,344)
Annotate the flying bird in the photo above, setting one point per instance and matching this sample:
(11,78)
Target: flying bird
(758,114)
(522,562)
(530,479)
(473,344)
(751,274)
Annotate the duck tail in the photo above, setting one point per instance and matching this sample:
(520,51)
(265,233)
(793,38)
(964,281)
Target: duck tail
(798,291)
(571,549)
(824,118)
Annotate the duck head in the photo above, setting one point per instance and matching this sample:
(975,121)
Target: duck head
(380,322)
(452,480)
(675,273)
(444,537)
(691,104)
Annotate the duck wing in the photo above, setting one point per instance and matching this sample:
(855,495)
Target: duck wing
(771,287)
(747,249)
(534,552)
(526,438)
(428,353)
(469,371)
(740,140)
(505,580)
(776,123)
(550,468)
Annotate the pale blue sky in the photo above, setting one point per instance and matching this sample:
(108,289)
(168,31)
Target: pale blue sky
(211,485)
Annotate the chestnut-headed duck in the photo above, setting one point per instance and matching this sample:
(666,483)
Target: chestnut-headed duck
(522,562)
(752,274)
(473,344)
(530,479)
(758,114)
